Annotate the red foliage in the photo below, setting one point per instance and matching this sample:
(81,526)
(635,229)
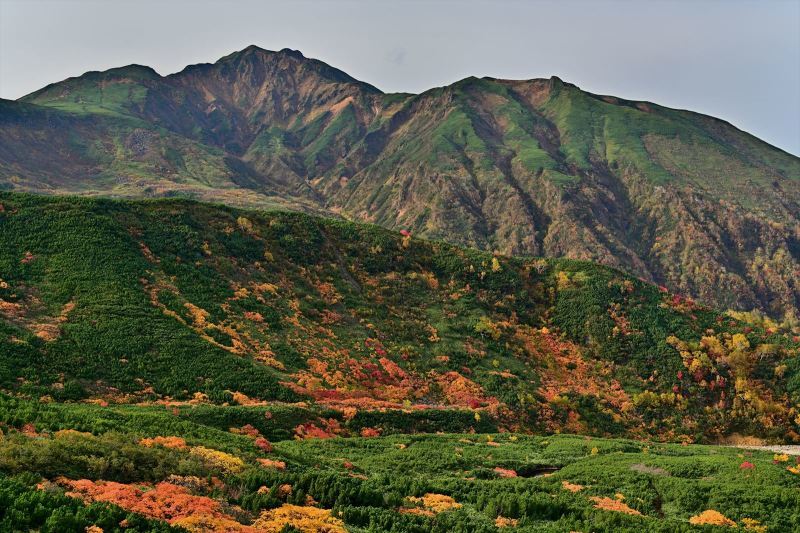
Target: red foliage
(747,465)
(330,428)
(505,472)
(263,444)
(370,432)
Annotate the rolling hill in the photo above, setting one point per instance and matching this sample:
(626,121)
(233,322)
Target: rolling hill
(536,167)
(171,365)
(176,301)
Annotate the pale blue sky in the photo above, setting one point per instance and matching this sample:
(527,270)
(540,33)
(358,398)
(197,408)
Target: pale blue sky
(735,59)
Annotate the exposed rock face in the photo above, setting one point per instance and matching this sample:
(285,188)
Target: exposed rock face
(525,167)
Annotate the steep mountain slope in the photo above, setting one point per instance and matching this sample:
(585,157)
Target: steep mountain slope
(178,301)
(533,167)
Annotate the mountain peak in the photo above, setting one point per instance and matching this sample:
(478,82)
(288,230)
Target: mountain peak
(292,53)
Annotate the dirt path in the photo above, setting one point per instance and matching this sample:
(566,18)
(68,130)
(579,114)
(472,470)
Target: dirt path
(790,449)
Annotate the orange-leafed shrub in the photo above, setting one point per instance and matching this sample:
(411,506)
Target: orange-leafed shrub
(270,463)
(167,442)
(165,501)
(263,444)
(502,521)
(505,472)
(572,487)
(370,432)
(710,517)
(246,429)
(610,504)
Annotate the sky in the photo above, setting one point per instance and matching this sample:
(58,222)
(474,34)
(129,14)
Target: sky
(738,60)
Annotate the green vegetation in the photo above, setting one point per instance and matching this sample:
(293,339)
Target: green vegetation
(533,167)
(172,364)
(178,301)
(473,482)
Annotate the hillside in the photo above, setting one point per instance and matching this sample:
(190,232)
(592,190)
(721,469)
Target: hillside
(175,301)
(536,167)
(169,365)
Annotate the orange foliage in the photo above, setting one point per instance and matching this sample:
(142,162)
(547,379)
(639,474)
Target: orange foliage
(502,521)
(572,487)
(243,399)
(246,429)
(505,472)
(165,501)
(269,463)
(461,391)
(167,442)
(328,293)
(610,504)
(566,371)
(370,432)
(712,518)
(263,444)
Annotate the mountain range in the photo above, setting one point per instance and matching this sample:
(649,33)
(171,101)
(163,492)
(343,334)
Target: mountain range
(536,167)
(262,296)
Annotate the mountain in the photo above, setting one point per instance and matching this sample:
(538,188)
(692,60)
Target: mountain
(536,167)
(176,301)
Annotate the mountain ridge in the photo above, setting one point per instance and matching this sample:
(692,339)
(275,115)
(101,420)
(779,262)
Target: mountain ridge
(536,167)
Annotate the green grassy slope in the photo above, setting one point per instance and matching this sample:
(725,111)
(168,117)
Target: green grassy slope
(174,300)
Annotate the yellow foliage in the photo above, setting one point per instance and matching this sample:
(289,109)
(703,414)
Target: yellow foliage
(60,434)
(245,224)
(435,503)
(752,524)
(305,519)
(199,315)
(739,342)
(217,459)
(496,265)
